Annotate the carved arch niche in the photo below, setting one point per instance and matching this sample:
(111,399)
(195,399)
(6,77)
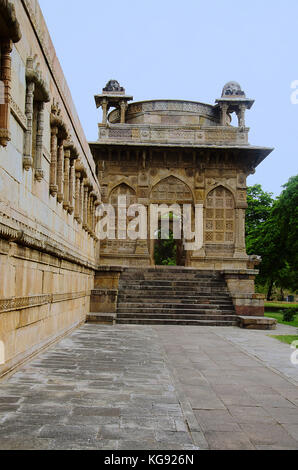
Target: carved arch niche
(171,189)
(123,190)
(220,217)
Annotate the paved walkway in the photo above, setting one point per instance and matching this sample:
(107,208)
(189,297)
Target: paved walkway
(142,387)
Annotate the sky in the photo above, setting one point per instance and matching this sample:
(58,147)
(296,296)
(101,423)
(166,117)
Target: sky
(173,49)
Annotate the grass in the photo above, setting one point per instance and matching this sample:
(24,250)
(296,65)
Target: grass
(288,339)
(279,318)
(281,304)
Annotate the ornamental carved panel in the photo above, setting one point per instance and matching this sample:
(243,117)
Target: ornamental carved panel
(171,189)
(220,217)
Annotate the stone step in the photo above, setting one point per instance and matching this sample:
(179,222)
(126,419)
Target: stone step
(104,318)
(172,296)
(168,270)
(144,321)
(157,305)
(172,291)
(170,283)
(122,299)
(186,311)
(167,316)
(204,296)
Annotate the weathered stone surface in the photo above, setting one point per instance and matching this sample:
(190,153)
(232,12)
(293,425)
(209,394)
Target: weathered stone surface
(219,397)
(257,323)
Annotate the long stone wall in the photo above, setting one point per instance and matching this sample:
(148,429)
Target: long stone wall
(48,198)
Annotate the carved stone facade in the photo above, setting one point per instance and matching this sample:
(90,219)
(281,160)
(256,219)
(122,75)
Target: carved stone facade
(47,256)
(176,153)
(51,186)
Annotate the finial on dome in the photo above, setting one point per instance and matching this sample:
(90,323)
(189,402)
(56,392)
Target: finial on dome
(231,90)
(113,86)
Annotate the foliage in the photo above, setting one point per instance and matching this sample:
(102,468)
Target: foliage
(279,318)
(289,314)
(271,232)
(165,251)
(282,305)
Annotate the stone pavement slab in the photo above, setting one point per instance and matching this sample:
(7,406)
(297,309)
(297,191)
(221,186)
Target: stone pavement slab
(148,387)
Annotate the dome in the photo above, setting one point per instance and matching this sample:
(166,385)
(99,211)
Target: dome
(232,89)
(113,86)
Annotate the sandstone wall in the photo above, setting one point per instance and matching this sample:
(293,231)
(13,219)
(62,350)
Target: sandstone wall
(48,253)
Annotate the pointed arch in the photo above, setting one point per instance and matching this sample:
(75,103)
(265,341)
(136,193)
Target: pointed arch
(171,189)
(123,189)
(221,185)
(124,181)
(219,216)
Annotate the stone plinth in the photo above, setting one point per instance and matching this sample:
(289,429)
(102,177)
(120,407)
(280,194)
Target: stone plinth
(241,285)
(257,323)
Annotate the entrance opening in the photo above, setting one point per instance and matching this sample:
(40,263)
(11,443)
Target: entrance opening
(169,251)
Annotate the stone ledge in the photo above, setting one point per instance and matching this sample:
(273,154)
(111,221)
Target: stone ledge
(257,323)
(20,303)
(110,269)
(42,244)
(248,296)
(250,272)
(101,318)
(104,291)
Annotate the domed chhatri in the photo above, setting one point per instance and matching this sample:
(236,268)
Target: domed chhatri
(232,89)
(113,86)
(165,117)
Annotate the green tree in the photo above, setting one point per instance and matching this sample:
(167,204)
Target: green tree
(271,232)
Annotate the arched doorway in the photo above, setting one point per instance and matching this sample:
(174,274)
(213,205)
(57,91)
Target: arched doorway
(169,249)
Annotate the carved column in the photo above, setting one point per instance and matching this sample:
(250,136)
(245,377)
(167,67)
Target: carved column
(6,48)
(82,195)
(53,168)
(89,212)
(28,160)
(241,115)
(85,206)
(66,178)
(60,170)
(104,106)
(72,181)
(39,174)
(77,214)
(93,197)
(123,107)
(240,246)
(224,115)
(96,204)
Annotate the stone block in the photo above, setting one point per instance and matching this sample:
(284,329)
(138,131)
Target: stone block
(257,323)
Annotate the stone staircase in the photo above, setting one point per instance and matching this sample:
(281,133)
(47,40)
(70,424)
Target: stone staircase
(174,296)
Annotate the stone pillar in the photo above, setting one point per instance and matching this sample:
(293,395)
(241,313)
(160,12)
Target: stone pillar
(224,115)
(72,189)
(240,247)
(96,204)
(89,212)
(104,106)
(77,214)
(53,167)
(123,107)
(66,178)
(241,115)
(60,171)
(82,195)
(85,206)
(6,48)
(93,197)
(28,160)
(39,174)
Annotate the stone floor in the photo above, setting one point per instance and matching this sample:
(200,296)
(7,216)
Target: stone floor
(166,387)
